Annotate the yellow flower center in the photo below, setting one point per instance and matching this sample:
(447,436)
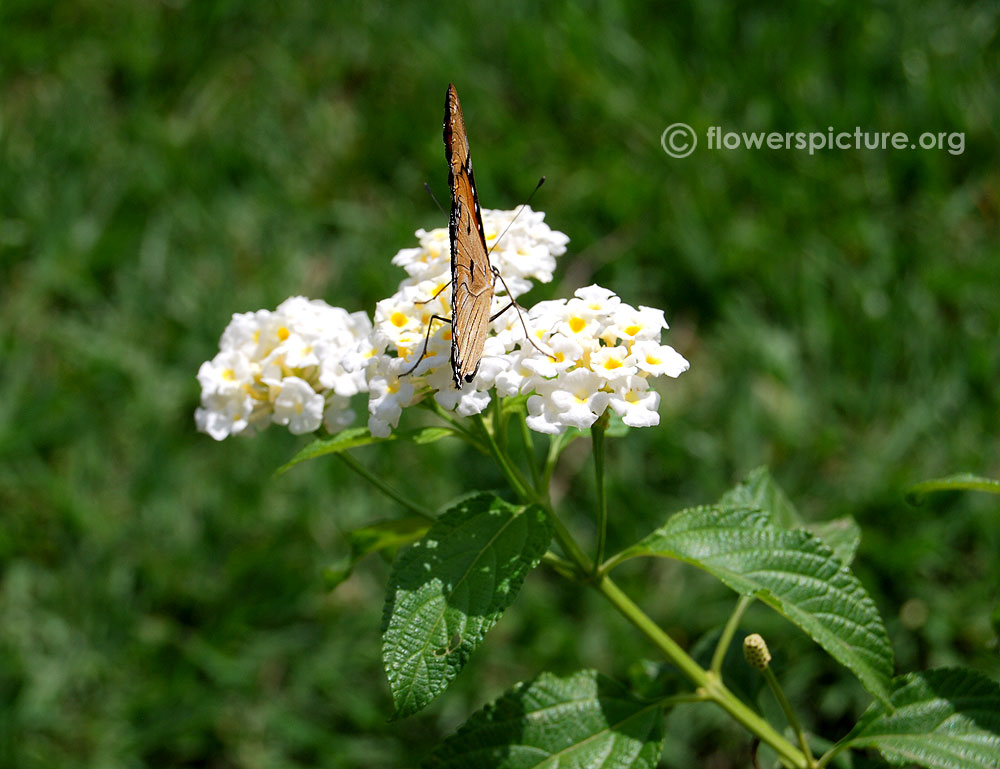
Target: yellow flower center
(577,324)
(283,333)
(229,375)
(398,319)
(612,363)
(632,330)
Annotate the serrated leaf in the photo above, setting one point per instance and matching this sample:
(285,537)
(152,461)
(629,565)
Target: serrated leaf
(354,437)
(842,535)
(387,534)
(788,569)
(446,591)
(941,719)
(760,490)
(583,720)
(378,537)
(959,482)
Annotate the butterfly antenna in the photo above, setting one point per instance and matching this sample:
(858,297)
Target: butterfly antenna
(428,188)
(517,309)
(519,210)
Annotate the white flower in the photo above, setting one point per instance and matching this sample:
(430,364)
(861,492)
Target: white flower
(635,403)
(221,417)
(572,400)
(631,324)
(338,413)
(288,366)
(598,299)
(299,364)
(298,406)
(388,394)
(566,353)
(525,252)
(612,363)
(658,359)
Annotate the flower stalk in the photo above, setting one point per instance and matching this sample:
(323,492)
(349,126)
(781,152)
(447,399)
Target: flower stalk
(597,432)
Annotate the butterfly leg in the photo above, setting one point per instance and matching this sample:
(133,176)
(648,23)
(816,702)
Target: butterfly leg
(439,291)
(427,339)
(518,308)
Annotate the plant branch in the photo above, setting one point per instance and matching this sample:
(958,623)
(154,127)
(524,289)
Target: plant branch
(521,487)
(793,720)
(384,487)
(580,559)
(727,634)
(556,445)
(597,432)
(708,684)
(529,450)
(463,432)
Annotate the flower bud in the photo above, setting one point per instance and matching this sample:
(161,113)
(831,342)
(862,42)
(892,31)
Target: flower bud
(755,651)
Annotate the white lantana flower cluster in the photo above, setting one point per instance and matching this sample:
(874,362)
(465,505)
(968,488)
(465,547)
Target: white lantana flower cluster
(527,251)
(299,365)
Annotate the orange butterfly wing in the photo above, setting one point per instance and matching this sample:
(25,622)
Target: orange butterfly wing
(471,275)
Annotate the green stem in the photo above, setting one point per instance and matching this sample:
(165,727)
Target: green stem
(499,425)
(556,444)
(597,431)
(793,720)
(514,477)
(462,430)
(529,450)
(682,699)
(560,565)
(727,634)
(831,754)
(384,487)
(708,684)
(579,558)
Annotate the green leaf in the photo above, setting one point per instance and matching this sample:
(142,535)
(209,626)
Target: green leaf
(959,482)
(583,720)
(760,490)
(842,535)
(449,589)
(790,570)
(385,535)
(943,719)
(354,437)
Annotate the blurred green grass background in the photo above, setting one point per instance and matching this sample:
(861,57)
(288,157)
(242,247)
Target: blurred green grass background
(163,165)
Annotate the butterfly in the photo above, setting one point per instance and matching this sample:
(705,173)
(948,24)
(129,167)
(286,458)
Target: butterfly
(472,275)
